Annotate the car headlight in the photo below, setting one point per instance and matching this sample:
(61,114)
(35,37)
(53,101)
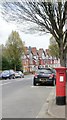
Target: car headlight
(51,76)
(36,75)
(7,75)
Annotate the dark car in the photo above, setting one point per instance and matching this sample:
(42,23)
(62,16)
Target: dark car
(45,75)
(7,74)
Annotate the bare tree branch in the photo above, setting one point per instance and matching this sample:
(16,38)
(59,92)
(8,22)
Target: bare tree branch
(47,16)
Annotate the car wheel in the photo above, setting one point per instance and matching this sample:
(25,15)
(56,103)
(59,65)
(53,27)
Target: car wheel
(23,76)
(13,76)
(10,77)
(34,82)
(53,83)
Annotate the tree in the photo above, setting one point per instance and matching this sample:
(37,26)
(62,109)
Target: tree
(4,63)
(0,57)
(14,50)
(53,48)
(49,16)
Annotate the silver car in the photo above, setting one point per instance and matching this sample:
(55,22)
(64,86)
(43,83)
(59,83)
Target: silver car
(19,74)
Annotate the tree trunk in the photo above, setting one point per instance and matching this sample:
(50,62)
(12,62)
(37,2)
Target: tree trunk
(62,55)
(65,57)
(15,68)
(62,60)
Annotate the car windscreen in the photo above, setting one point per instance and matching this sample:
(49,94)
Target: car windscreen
(5,72)
(20,72)
(45,71)
(53,70)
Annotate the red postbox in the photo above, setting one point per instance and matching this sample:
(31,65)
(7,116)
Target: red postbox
(61,85)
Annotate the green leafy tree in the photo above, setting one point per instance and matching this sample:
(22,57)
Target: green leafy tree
(4,63)
(14,50)
(48,17)
(0,57)
(53,48)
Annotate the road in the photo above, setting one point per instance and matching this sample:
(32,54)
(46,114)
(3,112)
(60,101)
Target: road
(20,99)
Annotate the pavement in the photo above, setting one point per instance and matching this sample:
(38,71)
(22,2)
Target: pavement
(52,109)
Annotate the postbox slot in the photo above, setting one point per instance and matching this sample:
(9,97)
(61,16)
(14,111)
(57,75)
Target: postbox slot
(61,73)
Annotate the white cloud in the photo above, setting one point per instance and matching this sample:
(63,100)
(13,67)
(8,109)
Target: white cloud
(36,41)
(30,39)
(5,30)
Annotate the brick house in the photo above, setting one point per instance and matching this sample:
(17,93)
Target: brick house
(34,58)
(51,60)
(41,57)
(29,59)
(26,60)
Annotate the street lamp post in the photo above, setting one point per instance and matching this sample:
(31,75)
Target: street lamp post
(30,57)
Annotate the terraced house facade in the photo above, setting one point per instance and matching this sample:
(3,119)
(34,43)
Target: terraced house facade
(33,58)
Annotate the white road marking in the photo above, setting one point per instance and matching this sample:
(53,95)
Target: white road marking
(13,80)
(35,86)
(28,78)
(45,86)
(5,83)
(50,87)
(18,80)
(21,79)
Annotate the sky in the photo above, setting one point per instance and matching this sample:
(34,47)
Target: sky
(33,40)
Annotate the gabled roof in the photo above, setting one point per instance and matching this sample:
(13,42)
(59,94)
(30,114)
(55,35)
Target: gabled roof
(34,51)
(47,51)
(26,51)
(40,52)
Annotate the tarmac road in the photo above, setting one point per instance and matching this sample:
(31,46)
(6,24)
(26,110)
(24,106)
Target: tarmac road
(20,99)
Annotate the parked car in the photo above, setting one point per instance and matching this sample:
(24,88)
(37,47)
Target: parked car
(19,74)
(45,75)
(7,74)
